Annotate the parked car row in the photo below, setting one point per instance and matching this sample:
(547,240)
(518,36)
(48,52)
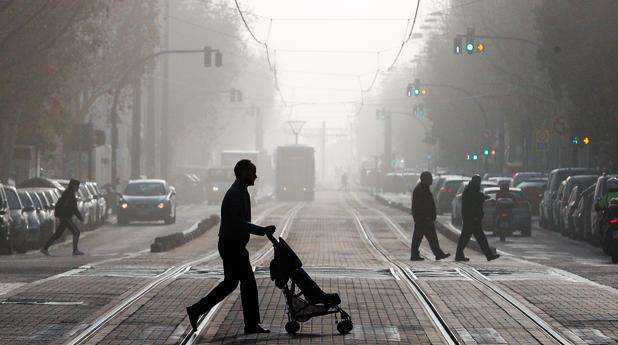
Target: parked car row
(569,204)
(27,213)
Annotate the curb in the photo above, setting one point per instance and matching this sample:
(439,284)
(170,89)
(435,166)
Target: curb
(446,231)
(177,239)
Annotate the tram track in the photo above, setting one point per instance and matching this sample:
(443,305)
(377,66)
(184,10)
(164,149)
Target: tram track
(170,274)
(193,336)
(472,274)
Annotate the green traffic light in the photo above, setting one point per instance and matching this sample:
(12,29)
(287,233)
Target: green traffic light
(486,152)
(470,47)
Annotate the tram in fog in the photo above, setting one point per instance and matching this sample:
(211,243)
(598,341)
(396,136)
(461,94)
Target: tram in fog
(295,173)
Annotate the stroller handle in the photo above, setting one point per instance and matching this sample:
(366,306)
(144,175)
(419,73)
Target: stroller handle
(272,239)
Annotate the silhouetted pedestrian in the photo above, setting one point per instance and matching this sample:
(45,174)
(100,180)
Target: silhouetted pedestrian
(65,209)
(234,234)
(472,201)
(424,214)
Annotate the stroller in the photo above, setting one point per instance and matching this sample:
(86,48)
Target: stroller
(310,301)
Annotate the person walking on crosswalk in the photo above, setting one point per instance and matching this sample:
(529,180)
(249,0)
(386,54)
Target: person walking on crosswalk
(424,214)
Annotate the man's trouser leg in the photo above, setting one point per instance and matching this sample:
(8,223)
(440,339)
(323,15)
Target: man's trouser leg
(480,237)
(432,238)
(56,235)
(248,292)
(75,231)
(417,237)
(229,283)
(464,238)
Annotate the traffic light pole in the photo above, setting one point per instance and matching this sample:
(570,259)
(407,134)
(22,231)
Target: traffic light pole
(114,114)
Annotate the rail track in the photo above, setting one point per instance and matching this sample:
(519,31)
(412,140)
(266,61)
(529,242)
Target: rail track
(467,270)
(173,273)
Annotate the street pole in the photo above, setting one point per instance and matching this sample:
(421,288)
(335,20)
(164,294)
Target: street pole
(323,149)
(387,141)
(150,128)
(165,150)
(136,129)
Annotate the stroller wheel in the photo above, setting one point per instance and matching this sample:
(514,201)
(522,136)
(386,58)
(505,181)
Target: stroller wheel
(292,327)
(344,327)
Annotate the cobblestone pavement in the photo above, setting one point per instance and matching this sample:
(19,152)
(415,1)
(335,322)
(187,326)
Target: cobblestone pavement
(349,244)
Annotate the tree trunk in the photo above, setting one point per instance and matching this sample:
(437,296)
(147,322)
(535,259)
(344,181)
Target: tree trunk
(8,136)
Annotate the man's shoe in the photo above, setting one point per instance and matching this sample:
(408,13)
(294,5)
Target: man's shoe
(45,252)
(77,252)
(256,329)
(442,256)
(417,258)
(493,257)
(193,318)
(461,258)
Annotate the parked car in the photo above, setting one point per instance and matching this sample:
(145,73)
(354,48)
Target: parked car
(456,203)
(438,181)
(394,183)
(521,219)
(5,224)
(582,216)
(447,192)
(555,178)
(595,217)
(526,176)
(98,201)
(562,198)
(33,223)
(533,191)
(147,200)
(19,222)
(410,179)
(45,213)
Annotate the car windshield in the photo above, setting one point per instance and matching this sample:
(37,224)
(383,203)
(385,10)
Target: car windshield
(25,199)
(145,189)
(515,193)
(13,199)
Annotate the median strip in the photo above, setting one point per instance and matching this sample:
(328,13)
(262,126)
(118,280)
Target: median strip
(177,239)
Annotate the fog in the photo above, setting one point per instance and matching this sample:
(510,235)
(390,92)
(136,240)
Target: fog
(341,69)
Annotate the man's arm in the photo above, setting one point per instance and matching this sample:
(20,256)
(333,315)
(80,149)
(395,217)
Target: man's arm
(76,211)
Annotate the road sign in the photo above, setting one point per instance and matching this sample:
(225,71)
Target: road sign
(560,125)
(542,136)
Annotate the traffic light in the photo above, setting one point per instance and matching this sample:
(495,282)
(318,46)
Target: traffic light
(575,140)
(480,47)
(419,110)
(475,157)
(409,90)
(235,95)
(586,141)
(207,56)
(208,52)
(417,87)
(458,45)
(486,152)
(493,152)
(470,46)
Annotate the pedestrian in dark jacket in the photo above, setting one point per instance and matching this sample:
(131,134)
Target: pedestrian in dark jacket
(424,215)
(65,209)
(234,234)
(472,201)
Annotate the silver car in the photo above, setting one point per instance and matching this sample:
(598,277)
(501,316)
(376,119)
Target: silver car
(147,200)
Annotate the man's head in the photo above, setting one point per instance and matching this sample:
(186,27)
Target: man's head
(74,185)
(245,172)
(476,181)
(426,178)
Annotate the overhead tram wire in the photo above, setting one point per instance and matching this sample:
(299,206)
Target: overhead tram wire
(272,68)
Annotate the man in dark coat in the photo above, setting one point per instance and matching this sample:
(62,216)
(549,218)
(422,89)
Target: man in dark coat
(65,209)
(234,234)
(472,214)
(424,214)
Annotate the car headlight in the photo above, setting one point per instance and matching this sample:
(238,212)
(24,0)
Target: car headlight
(216,189)
(285,188)
(161,205)
(124,205)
